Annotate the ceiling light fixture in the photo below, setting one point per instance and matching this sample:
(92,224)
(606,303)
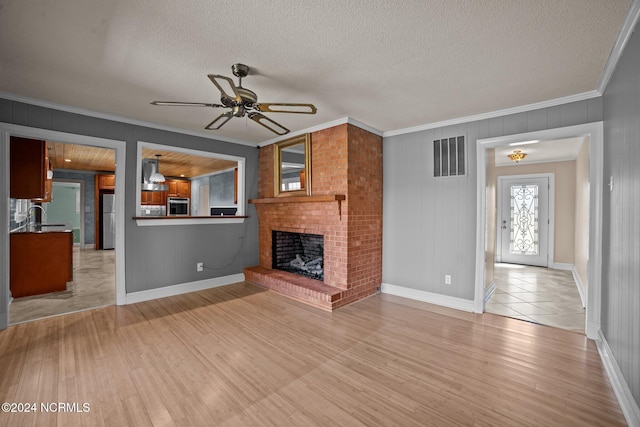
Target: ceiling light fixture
(517,155)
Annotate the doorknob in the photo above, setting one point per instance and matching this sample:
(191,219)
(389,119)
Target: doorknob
(504,224)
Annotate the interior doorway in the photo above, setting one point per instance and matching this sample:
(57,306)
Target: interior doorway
(66,204)
(73,207)
(117,149)
(487,221)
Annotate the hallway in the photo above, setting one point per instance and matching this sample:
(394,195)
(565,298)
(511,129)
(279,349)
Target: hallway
(536,294)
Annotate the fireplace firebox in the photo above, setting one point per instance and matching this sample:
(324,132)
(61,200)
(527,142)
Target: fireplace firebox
(298,253)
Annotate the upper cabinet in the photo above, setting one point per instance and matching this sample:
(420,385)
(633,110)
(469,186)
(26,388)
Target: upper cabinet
(106,182)
(30,171)
(179,188)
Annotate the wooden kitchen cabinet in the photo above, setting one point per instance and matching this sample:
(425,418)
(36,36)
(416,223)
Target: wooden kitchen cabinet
(40,262)
(179,188)
(153,198)
(29,167)
(106,182)
(184,188)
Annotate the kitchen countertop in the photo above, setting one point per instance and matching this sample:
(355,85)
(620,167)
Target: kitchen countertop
(44,228)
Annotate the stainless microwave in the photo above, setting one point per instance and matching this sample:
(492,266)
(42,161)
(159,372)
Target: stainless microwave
(178,206)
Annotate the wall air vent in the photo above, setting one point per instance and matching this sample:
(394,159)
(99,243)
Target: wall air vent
(448,157)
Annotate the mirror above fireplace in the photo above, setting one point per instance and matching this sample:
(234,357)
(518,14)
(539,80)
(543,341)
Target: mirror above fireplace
(292,166)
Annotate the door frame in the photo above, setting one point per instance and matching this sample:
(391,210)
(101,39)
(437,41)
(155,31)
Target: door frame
(551,215)
(81,183)
(595,132)
(6,131)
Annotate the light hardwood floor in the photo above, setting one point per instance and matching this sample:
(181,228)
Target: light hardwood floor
(93,285)
(239,355)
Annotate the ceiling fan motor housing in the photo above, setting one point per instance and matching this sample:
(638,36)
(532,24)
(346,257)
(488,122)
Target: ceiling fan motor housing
(240,70)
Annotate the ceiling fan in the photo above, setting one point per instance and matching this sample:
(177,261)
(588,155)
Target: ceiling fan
(243,101)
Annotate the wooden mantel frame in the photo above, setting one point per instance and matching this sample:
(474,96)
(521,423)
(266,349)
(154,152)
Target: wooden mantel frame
(303,199)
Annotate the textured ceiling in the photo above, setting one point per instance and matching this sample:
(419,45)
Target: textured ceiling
(390,65)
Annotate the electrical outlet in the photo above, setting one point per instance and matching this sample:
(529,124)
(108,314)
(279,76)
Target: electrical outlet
(199,266)
(447,279)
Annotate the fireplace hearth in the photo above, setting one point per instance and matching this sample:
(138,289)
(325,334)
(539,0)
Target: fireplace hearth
(299,253)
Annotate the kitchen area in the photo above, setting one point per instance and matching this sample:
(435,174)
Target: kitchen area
(62,211)
(178,185)
(41,257)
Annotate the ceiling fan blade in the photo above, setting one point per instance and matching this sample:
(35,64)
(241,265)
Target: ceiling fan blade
(184,104)
(224,117)
(286,108)
(265,121)
(235,96)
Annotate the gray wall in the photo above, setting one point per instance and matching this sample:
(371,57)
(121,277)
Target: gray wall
(621,215)
(429,226)
(221,189)
(161,255)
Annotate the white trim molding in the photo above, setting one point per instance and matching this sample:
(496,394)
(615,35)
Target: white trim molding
(576,278)
(626,31)
(579,285)
(114,117)
(498,113)
(627,403)
(183,288)
(429,297)
(323,126)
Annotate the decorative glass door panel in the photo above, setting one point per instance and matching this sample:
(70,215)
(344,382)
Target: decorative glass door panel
(523,220)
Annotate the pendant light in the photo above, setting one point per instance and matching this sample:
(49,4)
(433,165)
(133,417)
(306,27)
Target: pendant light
(157,177)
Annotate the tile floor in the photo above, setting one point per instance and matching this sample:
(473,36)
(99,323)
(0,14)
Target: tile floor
(536,294)
(93,285)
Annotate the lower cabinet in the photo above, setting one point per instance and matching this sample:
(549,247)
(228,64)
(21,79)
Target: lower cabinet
(40,262)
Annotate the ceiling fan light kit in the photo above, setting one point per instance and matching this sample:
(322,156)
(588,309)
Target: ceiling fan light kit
(243,102)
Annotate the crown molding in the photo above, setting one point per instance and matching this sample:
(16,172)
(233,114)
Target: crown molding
(113,117)
(322,126)
(499,113)
(625,34)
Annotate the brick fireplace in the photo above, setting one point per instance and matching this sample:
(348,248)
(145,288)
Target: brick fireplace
(345,208)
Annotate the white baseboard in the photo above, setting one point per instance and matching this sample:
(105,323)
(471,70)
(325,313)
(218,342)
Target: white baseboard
(424,296)
(579,285)
(489,290)
(182,288)
(627,403)
(576,278)
(561,266)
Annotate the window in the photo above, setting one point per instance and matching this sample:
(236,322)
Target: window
(193,175)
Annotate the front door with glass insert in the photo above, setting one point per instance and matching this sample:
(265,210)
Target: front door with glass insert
(523,220)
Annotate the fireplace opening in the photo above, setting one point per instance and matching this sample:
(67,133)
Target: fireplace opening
(298,253)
